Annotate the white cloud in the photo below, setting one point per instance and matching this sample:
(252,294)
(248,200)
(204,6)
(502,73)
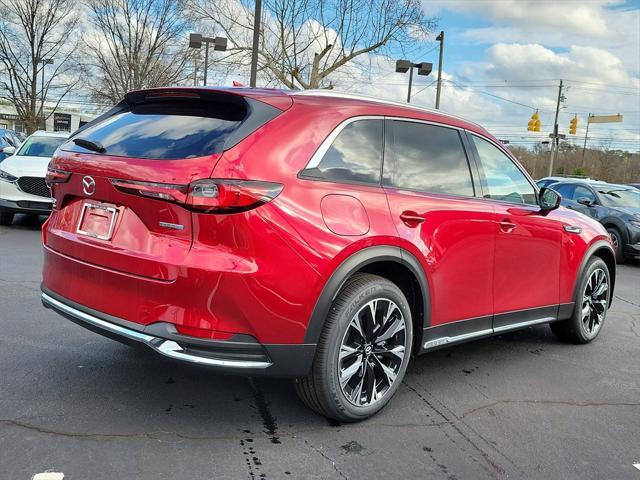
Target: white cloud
(571,16)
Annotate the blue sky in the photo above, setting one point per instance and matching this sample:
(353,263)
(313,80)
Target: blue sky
(504,59)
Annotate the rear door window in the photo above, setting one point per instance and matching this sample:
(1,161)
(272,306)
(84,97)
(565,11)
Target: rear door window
(428,158)
(354,156)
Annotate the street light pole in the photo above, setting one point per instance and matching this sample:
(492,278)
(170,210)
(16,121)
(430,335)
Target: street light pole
(402,66)
(440,38)
(206,61)
(256,43)
(195,41)
(44,62)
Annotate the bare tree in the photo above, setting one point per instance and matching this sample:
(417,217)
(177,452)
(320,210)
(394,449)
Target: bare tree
(303,43)
(136,44)
(32,31)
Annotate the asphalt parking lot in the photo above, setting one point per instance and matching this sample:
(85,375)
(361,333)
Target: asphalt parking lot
(521,405)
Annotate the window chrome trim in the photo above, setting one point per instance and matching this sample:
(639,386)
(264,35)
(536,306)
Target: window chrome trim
(327,142)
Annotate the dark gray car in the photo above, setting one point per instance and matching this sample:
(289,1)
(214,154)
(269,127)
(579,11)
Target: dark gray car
(617,207)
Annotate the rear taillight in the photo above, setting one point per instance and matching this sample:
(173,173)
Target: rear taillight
(208,195)
(55,175)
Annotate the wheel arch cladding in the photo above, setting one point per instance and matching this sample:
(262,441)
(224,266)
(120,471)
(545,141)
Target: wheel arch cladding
(393,263)
(600,249)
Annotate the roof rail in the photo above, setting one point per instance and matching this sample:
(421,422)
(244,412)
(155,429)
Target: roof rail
(334,94)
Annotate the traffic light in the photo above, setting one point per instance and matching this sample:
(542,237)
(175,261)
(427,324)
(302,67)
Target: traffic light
(573,125)
(534,124)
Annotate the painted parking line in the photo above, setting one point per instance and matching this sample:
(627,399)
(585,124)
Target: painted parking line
(49,476)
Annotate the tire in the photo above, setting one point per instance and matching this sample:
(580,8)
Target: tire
(6,217)
(616,236)
(390,337)
(583,326)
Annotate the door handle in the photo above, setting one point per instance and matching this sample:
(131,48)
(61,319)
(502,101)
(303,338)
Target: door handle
(411,219)
(507,226)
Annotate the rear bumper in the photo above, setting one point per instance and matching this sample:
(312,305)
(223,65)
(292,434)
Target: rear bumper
(242,355)
(26,206)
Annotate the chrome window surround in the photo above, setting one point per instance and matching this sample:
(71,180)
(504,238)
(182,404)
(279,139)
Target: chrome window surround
(327,142)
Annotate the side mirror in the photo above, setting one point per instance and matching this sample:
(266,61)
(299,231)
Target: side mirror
(8,150)
(585,201)
(549,200)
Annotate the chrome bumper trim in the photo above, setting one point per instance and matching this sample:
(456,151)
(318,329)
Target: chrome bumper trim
(165,347)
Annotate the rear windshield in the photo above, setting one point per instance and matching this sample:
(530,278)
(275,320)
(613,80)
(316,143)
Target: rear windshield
(166,130)
(40,146)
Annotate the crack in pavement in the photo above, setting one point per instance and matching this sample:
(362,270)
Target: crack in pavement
(150,435)
(161,434)
(496,468)
(627,301)
(552,402)
(325,456)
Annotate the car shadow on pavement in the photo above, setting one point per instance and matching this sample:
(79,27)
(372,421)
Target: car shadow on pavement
(28,222)
(111,387)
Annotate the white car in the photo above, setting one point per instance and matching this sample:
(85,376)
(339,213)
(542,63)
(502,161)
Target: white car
(22,186)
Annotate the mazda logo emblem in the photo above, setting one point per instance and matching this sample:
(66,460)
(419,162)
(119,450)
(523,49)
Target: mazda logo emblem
(88,185)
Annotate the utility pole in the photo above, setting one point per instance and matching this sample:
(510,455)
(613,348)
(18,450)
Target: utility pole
(440,38)
(584,147)
(556,139)
(256,43)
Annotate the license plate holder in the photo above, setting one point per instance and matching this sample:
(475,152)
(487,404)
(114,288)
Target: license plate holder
(97,221)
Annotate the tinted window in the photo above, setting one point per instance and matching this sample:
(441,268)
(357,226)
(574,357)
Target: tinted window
(40,146)
(584,192)
(504,179)
(427,158)
(165,130)
(354,156)
(563,189)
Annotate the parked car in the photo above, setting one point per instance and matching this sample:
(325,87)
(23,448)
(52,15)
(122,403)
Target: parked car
(8,143)
(617,207)
(259,232)
(546,181)
(21,136)
(635,185)
(22,177)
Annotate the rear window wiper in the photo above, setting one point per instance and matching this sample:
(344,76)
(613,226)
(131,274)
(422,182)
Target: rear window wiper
(89,145)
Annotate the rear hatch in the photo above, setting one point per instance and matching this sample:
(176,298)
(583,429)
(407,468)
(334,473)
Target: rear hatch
(121,182)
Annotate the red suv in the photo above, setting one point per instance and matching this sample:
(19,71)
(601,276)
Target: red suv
(313,235)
